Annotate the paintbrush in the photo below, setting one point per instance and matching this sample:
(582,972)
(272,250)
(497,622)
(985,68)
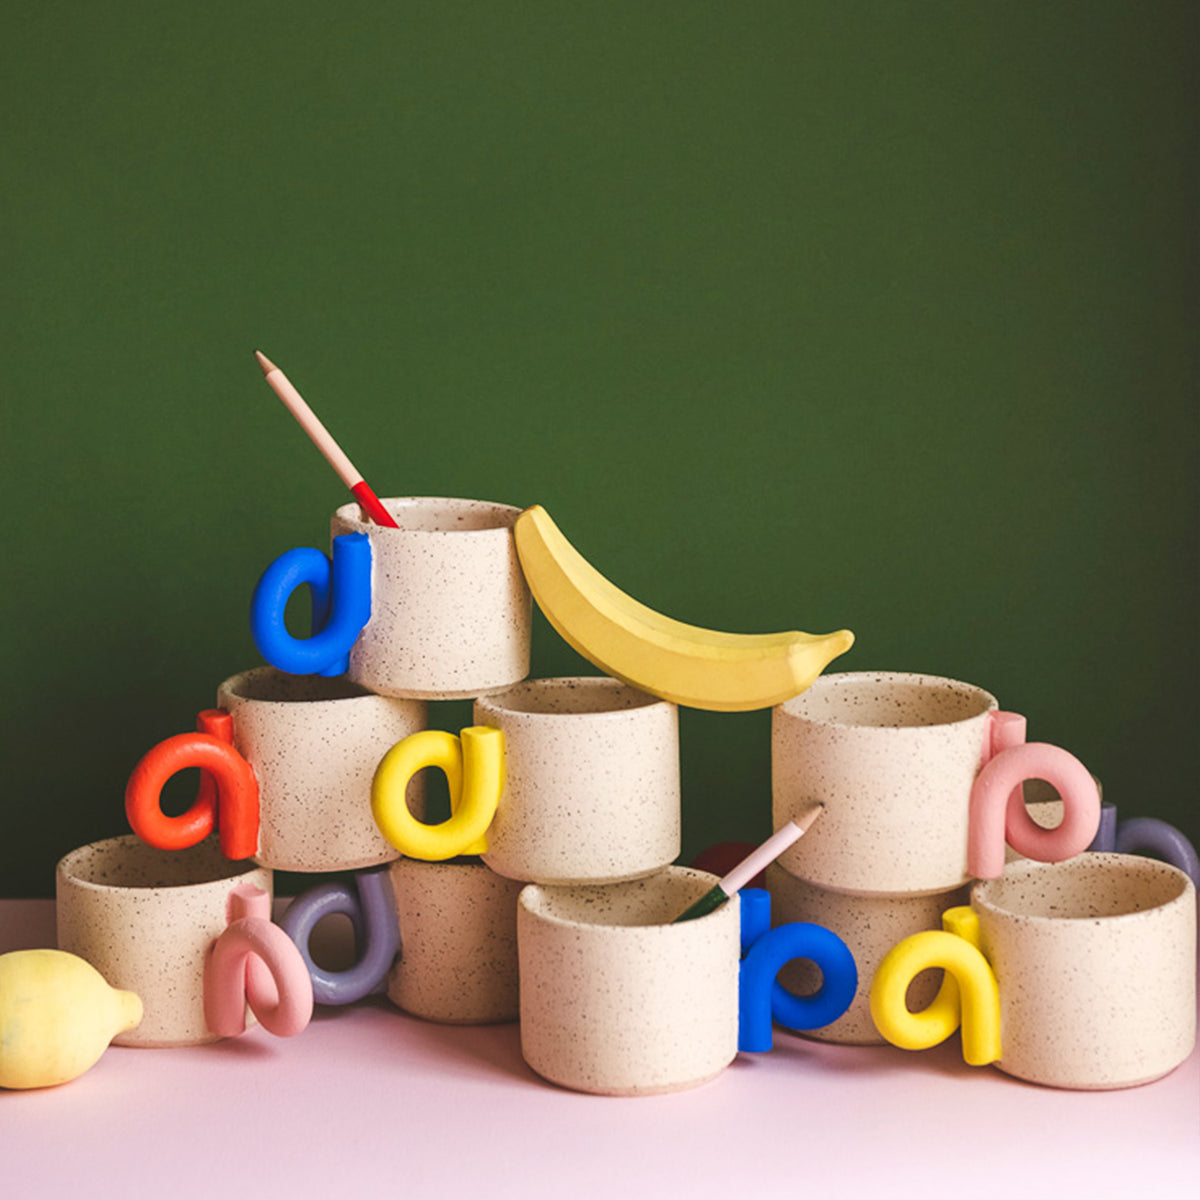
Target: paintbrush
(282,386)
(750,866)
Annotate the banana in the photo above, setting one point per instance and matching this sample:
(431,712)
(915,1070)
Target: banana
(57,1016)
(699,668)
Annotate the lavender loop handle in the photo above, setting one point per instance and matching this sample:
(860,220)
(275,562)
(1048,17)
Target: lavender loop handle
(1164,841)
(1147,836)
(371,910)
(1105,840)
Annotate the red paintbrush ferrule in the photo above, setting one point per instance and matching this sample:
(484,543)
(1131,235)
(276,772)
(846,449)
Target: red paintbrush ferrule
(372,505)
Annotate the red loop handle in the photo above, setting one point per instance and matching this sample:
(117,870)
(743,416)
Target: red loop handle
(227,797)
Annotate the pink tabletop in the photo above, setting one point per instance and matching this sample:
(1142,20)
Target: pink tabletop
(370,1101)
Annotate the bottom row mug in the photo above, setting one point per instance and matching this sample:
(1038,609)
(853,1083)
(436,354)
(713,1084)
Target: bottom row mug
(615,998)
(1076,975)
(189,932)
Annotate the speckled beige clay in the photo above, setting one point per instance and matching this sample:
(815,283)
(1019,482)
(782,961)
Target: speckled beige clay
(314,744)
(450,609)
(893,757)
(458,942)
(1095,959)
(592,781)
(617,1000)
(145,919)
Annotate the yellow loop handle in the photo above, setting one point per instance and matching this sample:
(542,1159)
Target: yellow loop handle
(474,770)
(968,995)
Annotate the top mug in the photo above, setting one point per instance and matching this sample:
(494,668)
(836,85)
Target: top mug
(921,781)
(436,609)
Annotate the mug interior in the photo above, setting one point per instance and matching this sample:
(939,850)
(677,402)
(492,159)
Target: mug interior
(1086,887)
(582,695)
(888,700)
(267,685)
(654,900)
(127,862)
(436,514)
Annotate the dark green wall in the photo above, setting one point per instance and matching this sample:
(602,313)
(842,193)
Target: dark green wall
(794,315)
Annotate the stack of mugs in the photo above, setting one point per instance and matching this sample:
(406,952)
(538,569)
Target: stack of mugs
(921,776)
(566,820)
(548,895)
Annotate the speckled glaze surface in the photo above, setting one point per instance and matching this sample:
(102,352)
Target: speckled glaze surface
(458,939)
(314,744)
(145,919)
(1095,959)
(591,791)
(870,926)
(450,609)
(617,1000)
(893,758)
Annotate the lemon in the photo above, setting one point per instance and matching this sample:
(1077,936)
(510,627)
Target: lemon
(57,1016)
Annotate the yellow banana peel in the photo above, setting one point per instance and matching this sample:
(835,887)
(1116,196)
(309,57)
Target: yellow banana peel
(699,668)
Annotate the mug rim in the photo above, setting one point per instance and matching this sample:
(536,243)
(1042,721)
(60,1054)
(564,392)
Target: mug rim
(793,708)
(558,684)
(1111,864)
(504,516)
(239,870)
(532,895)
(233,684)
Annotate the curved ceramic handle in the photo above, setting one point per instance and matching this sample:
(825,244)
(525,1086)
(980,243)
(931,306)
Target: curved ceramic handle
(227,797)
(1161,840)
(998,809)
(254,962)
(474,769)
(372,912)
(762,999)
(341,606)
(969,994)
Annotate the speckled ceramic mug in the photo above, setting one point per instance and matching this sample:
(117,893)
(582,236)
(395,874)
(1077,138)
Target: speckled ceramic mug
(920,777)
(591,792)
(870,925)
(458,942)
(618,1000)
(300,752)
(435,608)
(450,609)
(560,781)
(1095,962)
(148,919)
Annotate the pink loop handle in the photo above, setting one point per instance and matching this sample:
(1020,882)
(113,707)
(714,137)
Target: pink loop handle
(254,962)
(998,809)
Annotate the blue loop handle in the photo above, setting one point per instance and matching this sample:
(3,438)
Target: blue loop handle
(376,934)
(762,999)
(341,606)
(756,915)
